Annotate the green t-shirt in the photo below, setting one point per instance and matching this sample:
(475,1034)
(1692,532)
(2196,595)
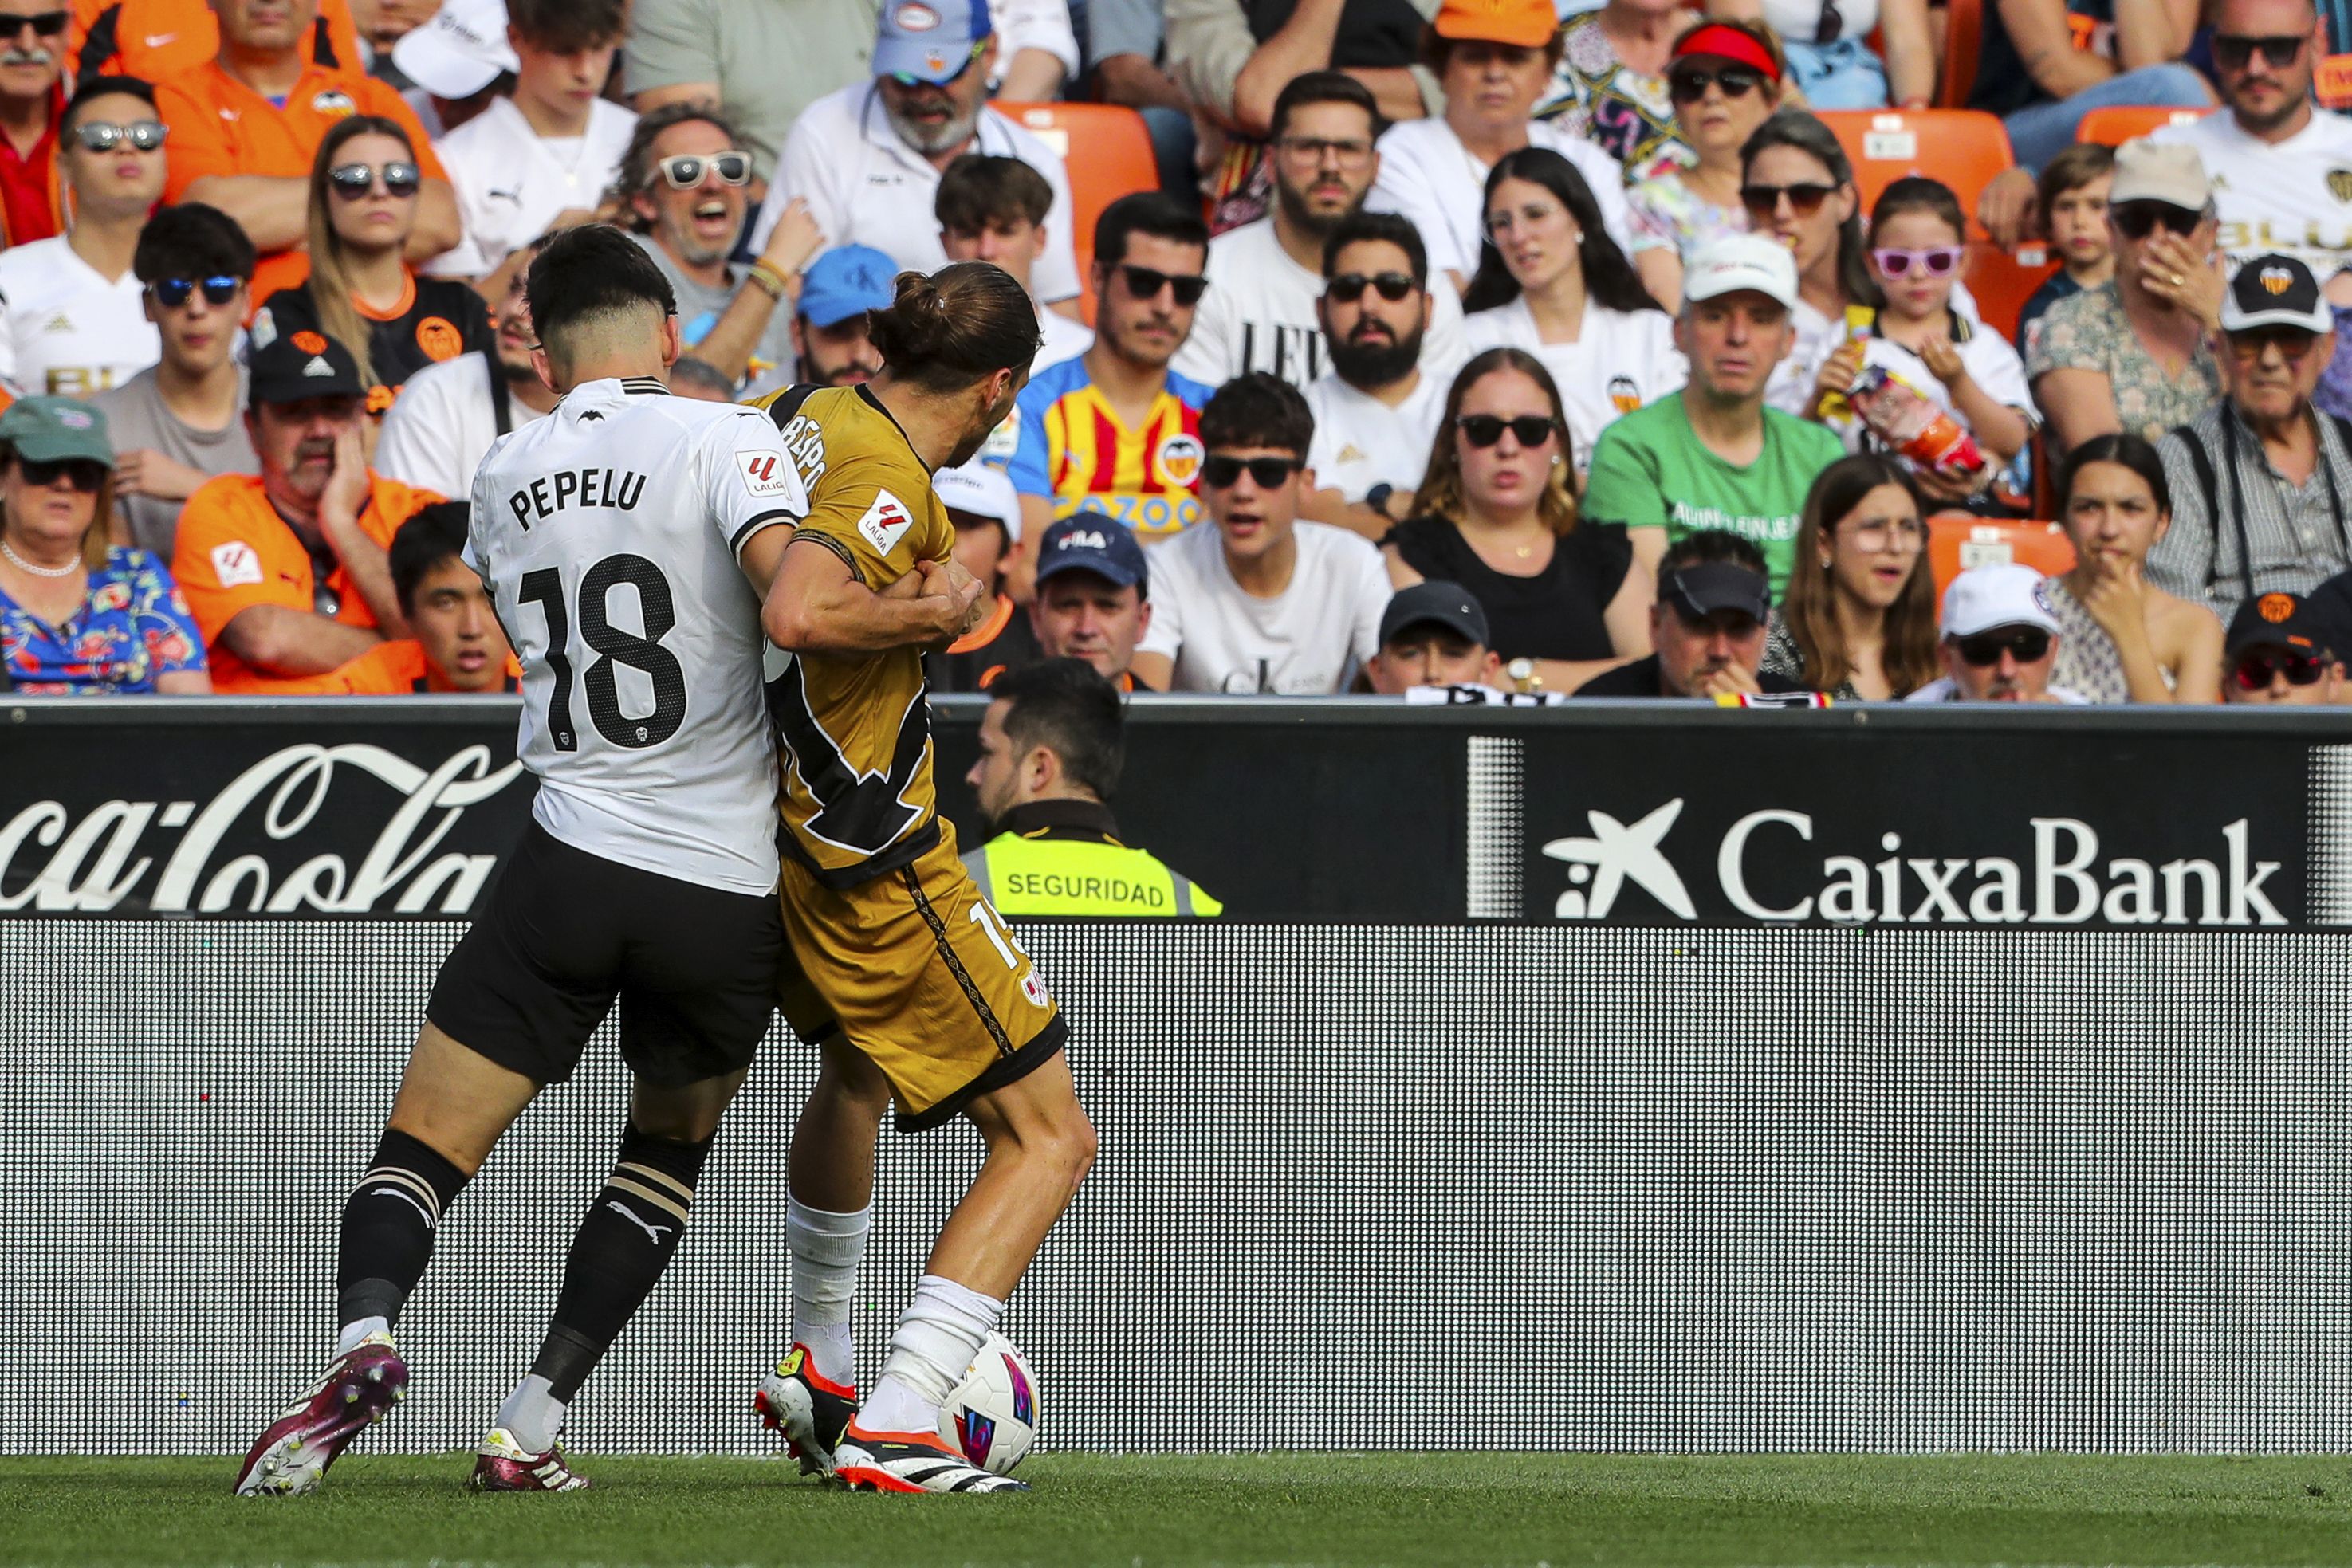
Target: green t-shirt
(1650,470)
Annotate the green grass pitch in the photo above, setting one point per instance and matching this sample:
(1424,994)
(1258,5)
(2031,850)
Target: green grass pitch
(1296,1509)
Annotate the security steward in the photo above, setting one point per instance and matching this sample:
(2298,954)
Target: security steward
(1050,753)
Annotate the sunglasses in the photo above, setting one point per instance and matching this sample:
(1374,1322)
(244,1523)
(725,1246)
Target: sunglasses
(1486,429)
(2292,342)
(2138,220)
(1935,261)
(173,292)
(1689,87)
(353,182)
(1349,286)
(685,171)
(1984,650)
(45,24)
(2234,53)
(1805,198)
(2256,671)
(81,472)
(1266,473)
(905,79)
(1144,283)
(140,135)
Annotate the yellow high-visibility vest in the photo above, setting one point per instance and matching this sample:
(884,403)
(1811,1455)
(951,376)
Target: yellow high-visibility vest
(1046,875)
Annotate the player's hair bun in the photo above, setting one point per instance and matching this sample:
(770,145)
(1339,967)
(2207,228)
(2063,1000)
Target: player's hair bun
(914,327)
(962,324)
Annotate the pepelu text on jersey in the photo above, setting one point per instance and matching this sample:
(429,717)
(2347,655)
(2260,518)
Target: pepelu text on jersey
(611,490)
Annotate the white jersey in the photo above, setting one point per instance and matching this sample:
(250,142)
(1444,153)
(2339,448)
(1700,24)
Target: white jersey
(1361,442)
(65,331)
(511,183)
(608,533)
(1620,360)
(1429,177)
(441,427)
(2294,197)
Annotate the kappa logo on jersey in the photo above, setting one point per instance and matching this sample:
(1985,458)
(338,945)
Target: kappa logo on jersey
(885,522)
(237,562)
(765,472)
(1179,459)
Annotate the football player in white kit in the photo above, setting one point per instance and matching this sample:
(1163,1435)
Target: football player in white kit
(626,539)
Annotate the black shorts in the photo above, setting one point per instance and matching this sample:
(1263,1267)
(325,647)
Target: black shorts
(567,933)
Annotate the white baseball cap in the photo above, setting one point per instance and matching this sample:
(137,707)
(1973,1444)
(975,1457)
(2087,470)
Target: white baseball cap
(983,490)
(2002,594)
(460,51)
(1756,263)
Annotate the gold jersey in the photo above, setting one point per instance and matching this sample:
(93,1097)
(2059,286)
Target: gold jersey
(859,795)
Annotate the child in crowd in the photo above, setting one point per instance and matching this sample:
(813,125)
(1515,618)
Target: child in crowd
(2072,198)
(1918,238)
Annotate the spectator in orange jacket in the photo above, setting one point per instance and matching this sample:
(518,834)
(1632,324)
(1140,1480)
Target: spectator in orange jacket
(234,148)
(32,63)
(287,570)
(151,40)
(458,643)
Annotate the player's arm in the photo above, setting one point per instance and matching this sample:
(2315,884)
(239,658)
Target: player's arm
(818,605)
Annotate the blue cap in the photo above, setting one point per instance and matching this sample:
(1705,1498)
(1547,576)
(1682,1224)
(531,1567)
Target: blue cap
(848,280)
(930,40)
(1092,542)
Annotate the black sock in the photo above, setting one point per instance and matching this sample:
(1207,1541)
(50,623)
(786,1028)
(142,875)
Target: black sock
(623,1245)
(388,1227)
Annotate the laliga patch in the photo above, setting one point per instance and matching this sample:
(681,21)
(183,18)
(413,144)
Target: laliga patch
(237,562)
(1034,989)
(885,522)
(765,472)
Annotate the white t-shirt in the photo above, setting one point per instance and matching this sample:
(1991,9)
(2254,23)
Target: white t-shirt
(1305,642)
(2278,198)
(865,186)
(65,331)
(437,432)
(511,181)
(1800,21)
(614,523)
(1065,340)
(1620,360)
(1259,315)
(1429,176)
(1361,442)
(1790,389)
(1990,362)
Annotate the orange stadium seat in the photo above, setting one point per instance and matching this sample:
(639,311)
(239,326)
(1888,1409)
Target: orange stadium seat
(1110,154)
(2113,126)
(1964,148)
(1957,540)
(2001,282)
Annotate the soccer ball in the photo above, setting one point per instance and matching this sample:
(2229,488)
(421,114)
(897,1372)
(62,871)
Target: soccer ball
(992,1417)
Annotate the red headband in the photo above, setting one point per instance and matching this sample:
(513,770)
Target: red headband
(1729,44)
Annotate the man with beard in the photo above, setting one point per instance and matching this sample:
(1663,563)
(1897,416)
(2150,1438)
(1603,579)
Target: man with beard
(286,571)
(1266,276)
(1376,414)
(830,342)
(438,430)
(31,58)
(867,160)
(682,183)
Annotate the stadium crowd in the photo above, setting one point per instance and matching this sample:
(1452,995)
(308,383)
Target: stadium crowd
(1485,350)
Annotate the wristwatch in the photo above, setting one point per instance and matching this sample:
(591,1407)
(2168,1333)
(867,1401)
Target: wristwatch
(1377,497)
(1523,675)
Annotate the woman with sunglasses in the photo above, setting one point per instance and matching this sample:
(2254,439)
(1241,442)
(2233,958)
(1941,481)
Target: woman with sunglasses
(361,290)
(1724,81)
(2134,353)
(1564,600)
(1859,617)
(77,617)
(2122,639)
(1551,282)
(1797,185)
(72,321)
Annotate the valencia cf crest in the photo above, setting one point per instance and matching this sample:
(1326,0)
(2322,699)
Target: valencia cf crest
(2340,184)
(1179,459)
(2275,608)
(2275,280)
(335,103)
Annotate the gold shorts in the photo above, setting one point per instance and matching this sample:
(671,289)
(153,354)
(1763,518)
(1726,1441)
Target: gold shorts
(924,979)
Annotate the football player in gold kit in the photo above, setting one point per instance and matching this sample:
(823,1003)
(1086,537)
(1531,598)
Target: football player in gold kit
(932,1001)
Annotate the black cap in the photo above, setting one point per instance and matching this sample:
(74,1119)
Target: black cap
(2274,291)
(1447,604)
(1704,587)
(304,364)
(2277,620)
(2327,611)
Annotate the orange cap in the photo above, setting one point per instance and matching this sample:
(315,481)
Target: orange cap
(1525,23)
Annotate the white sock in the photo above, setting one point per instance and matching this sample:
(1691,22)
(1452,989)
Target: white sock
(358,1330)
(827,1249)
(928,1355)
(533,1415)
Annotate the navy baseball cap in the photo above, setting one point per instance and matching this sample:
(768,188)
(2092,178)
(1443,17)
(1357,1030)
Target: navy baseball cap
(1092,542)
(930,40)
(2278,620)
(848,280)
(1447,604)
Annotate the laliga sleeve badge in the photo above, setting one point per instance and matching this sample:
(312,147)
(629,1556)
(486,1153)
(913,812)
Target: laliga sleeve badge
(765,472)
(235,563)
(885,522)
(1034,989)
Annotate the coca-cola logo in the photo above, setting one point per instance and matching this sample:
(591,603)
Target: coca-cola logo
(120,852)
